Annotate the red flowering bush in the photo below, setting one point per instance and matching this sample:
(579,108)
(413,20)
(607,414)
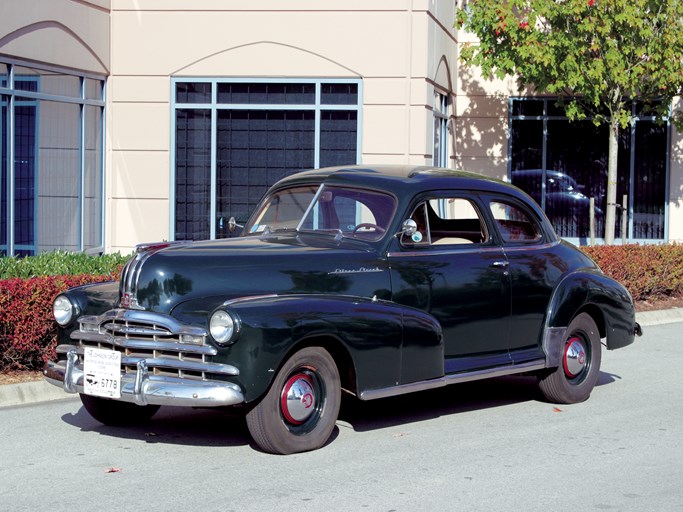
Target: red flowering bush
(649,272)
(27,327)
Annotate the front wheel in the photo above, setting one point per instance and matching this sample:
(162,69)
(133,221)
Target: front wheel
(299,411)
(575,378)
(114,413)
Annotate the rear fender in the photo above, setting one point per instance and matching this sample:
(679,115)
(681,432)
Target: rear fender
(606,300)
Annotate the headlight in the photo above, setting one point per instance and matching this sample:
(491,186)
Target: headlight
(63,310)
(223,327)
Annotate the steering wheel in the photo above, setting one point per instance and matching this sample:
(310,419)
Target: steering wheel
(369,225)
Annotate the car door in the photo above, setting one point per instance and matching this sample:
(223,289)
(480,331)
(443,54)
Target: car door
(534,266)
(452,268)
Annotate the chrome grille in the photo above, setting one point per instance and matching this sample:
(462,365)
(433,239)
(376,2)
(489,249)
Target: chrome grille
(168,347)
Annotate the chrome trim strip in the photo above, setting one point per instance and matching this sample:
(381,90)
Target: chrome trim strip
(94,337)
(446,380)
(153,389)
(140,331)
(553,344)
(247,298)
(144,317)
(465,249)
(161,362)
(510,247)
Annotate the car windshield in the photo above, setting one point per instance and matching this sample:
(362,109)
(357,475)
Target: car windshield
(341,211)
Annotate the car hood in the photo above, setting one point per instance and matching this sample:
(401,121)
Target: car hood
(161,279)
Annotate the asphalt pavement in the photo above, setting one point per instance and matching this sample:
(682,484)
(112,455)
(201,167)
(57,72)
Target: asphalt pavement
(493,445)
(41,391)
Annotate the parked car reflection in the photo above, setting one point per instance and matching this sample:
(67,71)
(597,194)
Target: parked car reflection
(567,207)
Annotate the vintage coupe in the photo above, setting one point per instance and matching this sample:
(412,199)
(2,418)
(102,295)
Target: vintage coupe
(375,280)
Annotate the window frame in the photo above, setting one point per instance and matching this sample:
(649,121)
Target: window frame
(428,244)
(17,97)
(544,115)
(214,106)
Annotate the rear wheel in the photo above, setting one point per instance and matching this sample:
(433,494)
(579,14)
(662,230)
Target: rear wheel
(114,413)
(578,372)
(299,411)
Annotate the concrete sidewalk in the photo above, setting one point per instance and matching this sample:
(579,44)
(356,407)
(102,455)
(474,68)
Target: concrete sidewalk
(41,391)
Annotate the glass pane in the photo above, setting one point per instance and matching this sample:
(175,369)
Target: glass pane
(576,171)
(339,94)
(48,82)
(256,148)
(57,153)
(527,146)
(527,107)
(93,89)
(3,75)
(266,94)
(25,133)
(190,92)
(514,224)
(92,201)
(649,181)
(338,138)
(454,221)
(193,174)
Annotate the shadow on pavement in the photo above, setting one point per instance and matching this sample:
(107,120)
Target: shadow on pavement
(216,427)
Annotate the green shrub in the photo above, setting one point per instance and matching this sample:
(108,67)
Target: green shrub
(649,272)
(60,263)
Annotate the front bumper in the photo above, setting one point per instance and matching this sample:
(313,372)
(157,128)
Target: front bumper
(144,389)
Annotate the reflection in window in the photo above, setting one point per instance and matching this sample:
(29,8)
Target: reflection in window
(513,224)
(56,201)
(264,131)
(563,164)
(362,214)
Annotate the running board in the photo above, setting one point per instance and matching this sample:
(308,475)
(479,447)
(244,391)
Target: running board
(446,380)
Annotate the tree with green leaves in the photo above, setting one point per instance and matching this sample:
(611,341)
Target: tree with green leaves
(596,56)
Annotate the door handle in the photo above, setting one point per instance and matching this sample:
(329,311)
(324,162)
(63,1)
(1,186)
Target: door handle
(501,264)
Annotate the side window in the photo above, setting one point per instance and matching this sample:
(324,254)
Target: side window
(515,225)
(447,221)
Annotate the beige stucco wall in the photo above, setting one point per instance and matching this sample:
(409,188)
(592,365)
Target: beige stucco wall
(69,33)
(400,50)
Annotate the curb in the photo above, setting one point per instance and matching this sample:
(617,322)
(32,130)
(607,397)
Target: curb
(31,392)
(41,391)
(662,316)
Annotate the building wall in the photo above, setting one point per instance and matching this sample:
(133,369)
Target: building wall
(53,46)
(69,33)
(400,50)
(481,133)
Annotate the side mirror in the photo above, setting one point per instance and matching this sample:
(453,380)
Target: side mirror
(409,228)
(232,225)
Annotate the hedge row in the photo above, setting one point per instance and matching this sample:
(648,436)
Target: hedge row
(649,272)
(27,331)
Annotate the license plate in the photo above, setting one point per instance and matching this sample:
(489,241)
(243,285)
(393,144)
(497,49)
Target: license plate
(102,372)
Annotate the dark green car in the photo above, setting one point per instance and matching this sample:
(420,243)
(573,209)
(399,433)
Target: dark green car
(376,280)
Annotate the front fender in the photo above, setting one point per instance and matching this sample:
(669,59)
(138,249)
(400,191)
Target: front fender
(90,299)
(371,332)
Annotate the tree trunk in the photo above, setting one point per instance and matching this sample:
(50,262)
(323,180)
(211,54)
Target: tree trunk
(613,155)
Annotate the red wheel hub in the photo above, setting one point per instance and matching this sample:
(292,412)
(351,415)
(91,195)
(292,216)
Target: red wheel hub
(575,358)
(298,399)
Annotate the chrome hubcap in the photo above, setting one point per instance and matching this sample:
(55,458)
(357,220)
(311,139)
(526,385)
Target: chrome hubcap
(575,358)
(298,399)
